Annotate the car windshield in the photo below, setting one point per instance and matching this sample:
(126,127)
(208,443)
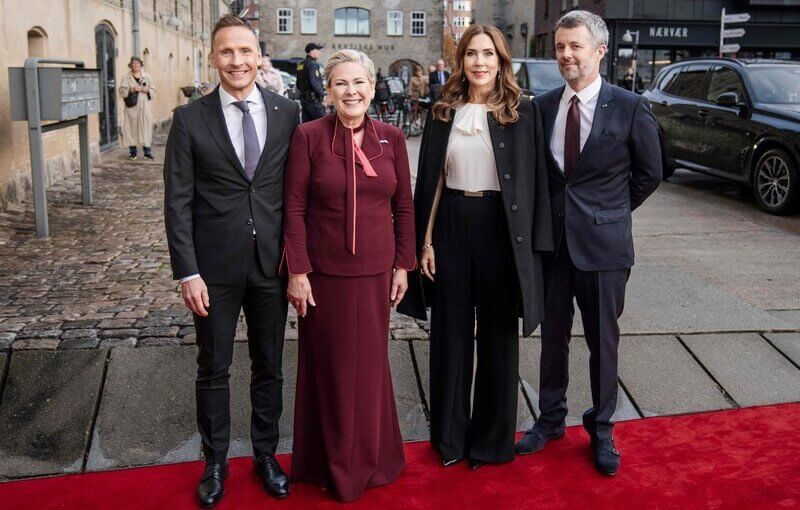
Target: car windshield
(776,84)
(544,76)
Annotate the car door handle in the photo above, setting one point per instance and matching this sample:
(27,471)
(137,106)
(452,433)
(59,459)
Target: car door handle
(663,103)
(702,112)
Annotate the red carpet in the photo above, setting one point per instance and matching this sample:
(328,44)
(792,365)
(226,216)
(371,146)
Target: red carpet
(748,458)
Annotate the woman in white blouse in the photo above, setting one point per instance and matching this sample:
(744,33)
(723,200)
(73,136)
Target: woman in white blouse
(483,219)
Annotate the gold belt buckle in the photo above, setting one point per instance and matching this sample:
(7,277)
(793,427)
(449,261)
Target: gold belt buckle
(476,194)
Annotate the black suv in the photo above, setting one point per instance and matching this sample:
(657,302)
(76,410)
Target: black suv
(536,76)
(737,119)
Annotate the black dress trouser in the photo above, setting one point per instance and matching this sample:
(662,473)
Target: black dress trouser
(601,298)
(475,277)
(265,306)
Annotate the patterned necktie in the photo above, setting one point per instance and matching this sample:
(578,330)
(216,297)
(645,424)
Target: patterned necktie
(572,137)
(252,150)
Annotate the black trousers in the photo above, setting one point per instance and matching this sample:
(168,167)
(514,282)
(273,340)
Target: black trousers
(312,110)
(601,298)
(475,278)
(265,305)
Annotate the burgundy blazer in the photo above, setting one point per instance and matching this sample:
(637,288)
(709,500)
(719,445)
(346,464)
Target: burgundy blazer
(338,220)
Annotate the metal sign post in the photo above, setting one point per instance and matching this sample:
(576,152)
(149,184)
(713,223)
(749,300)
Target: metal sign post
(731,33)
(70,95)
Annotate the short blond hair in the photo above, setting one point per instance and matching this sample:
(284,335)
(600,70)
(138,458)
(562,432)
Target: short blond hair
(342,56)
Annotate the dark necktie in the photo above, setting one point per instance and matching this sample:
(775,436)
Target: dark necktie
(252,150)
(572,137)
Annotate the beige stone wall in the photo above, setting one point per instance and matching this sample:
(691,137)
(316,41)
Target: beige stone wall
(69,26)
(383,49)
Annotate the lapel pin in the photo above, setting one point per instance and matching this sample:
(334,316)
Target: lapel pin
(275,108)
(384,141)
(601,106)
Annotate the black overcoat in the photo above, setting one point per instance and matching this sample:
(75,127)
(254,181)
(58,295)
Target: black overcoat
(519,151)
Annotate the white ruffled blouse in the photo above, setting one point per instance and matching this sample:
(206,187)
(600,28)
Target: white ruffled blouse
(470,164)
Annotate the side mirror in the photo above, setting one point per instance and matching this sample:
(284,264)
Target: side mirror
(730,99)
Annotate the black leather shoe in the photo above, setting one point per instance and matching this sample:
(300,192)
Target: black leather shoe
(476,464)
(275,481)
(606,457)
(451,462)
(212,484)
(535,438)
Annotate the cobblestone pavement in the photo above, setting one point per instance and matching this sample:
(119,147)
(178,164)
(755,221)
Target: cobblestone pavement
(103,278)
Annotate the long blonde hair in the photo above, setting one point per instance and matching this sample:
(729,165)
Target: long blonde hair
(502,102)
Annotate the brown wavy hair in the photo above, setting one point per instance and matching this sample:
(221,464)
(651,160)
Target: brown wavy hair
(503,102)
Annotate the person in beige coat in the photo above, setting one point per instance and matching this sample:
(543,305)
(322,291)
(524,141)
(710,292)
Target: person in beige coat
(137,128)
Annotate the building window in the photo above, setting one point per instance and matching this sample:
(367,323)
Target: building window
(418,23)
(460,21)
(285,21)
(394,23)
(462,5)
(308,21)
(457,36)
(351,21)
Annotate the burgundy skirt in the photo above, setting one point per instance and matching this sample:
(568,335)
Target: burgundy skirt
(346,433)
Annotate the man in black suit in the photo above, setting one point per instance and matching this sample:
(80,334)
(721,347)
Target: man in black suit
(437,79)
(223,176)
(604,161)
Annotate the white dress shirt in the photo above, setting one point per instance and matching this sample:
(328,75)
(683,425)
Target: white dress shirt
(470,163)
(233,121)
(587,102)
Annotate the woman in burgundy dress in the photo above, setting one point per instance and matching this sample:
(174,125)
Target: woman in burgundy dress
(349,242)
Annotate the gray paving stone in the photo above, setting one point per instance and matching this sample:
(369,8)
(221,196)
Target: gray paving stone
(667,300)
(788,343)
(3,359)
(791,316)
(748,367)
(147,414)
(6,340)
(663,378)
(241,445)
(118,342)
(79,343)
(422,354)
(413,424)
(579,396)
(47,409)
(35,344)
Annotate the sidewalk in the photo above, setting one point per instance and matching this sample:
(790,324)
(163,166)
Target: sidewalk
(97,360)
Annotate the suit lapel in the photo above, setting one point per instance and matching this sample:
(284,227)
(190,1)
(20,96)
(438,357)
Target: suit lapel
(273,114)
(215,121)
(602,112)
(549,112)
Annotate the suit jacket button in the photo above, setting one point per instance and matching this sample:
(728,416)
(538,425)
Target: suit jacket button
(501,145)
(519,239)
(514,207)
(561,215)
(506,176)
(249,221)
(566,186)
(252,189)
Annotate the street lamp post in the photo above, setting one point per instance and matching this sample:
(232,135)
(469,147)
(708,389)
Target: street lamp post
(632,36)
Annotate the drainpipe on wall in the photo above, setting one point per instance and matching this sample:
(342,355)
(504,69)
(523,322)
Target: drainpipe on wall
(136,47)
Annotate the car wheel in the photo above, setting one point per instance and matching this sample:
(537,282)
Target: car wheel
(775,182)
(667,170)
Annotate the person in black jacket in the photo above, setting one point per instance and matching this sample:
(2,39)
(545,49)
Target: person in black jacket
(482,213)
(604,160)
(309,84)
(223,176)
(437,79)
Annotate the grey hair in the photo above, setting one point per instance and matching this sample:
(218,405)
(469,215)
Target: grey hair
(342,56)
(594,23)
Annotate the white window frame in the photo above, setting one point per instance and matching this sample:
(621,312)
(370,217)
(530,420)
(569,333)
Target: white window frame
(462,5)
(389,22)
(285,14)
(308,21)
(416,17)
(460,21)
